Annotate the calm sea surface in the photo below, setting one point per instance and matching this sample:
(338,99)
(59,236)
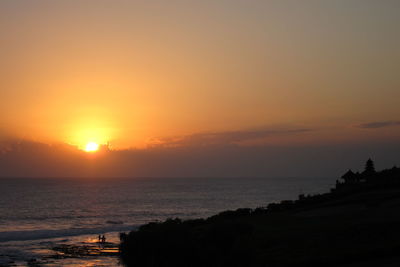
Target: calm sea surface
(36,214)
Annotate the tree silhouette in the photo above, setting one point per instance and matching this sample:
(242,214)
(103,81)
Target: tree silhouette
(369,167)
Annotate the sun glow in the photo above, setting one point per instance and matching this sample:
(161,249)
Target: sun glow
(91,147)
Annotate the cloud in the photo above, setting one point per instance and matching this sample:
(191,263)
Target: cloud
(223,138)
(33,159)
(379,124)
(30,159)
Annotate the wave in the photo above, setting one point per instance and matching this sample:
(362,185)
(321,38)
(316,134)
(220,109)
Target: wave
(46,233)
(115,222)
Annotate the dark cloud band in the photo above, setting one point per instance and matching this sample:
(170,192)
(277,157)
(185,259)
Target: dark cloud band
(379,124)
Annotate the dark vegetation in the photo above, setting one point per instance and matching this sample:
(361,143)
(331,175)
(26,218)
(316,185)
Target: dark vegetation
(356,224)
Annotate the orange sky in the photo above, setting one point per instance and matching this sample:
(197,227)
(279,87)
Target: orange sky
(135,73)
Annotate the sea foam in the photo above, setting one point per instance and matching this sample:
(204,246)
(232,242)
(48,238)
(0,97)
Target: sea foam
(45,234)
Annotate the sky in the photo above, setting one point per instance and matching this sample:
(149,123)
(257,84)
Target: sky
(224,88)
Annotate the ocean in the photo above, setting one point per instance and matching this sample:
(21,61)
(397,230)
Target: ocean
(38,214)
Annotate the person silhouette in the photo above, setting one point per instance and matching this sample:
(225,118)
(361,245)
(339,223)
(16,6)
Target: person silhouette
(99,238)
(103,239)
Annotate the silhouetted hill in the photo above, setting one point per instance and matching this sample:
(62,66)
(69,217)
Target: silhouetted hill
(356,224)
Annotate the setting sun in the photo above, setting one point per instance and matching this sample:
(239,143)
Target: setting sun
(91,147)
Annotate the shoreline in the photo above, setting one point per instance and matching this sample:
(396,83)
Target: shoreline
(355,224)
(59,251)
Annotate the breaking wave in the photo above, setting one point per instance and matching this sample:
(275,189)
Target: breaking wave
(45,234)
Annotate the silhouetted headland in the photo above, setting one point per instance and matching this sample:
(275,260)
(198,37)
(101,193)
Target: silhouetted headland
(356,224)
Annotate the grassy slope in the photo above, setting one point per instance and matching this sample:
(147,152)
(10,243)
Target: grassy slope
(359,229)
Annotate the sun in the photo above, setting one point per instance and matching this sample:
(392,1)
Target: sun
(91,147)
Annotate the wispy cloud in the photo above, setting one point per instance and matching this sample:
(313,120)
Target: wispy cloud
(379,124)
(224,138)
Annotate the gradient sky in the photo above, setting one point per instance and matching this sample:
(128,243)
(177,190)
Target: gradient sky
(150,74)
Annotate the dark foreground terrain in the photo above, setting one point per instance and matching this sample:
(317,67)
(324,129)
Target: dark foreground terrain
(356,224)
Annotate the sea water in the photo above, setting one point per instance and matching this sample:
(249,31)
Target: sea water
(37,214)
